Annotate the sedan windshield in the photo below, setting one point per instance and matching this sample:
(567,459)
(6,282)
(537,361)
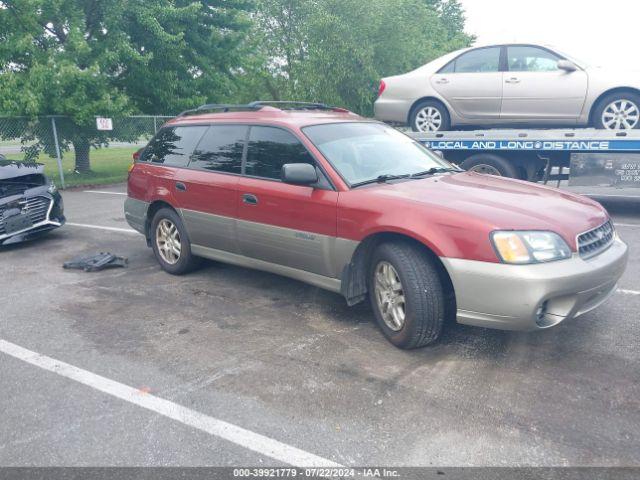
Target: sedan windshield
(364,152)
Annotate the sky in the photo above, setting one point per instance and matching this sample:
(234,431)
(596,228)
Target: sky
(603,32)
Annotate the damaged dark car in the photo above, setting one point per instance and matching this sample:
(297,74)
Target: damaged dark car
(30,204)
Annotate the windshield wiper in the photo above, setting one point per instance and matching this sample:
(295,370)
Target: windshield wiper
(386,177)
(434,170)
(381,179)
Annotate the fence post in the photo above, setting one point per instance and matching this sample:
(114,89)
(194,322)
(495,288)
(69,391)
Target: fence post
(58,157)
(155,124)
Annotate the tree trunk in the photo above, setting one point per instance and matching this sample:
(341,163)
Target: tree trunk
(82,149)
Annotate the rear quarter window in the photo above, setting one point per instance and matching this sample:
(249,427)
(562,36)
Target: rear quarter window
(173,146)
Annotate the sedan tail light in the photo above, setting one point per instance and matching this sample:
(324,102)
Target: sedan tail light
(381,87)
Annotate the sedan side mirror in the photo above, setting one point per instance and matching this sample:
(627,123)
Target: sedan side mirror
(567,66)
(299,174)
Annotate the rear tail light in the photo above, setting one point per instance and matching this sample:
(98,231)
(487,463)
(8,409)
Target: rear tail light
(136,155)
(381,87)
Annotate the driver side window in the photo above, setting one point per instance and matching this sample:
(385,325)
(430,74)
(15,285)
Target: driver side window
(531,59)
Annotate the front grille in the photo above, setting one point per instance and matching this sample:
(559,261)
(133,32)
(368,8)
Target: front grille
(595,241)
(36,207)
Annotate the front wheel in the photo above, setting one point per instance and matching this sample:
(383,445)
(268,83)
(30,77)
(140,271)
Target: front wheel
(618,111)
(406,295)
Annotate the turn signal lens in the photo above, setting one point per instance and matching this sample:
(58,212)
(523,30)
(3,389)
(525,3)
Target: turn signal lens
(511,248)
(131,167)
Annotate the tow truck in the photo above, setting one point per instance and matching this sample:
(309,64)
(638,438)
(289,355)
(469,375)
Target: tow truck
(598,163)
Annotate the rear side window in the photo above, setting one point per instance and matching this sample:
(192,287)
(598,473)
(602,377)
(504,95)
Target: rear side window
(221,149)
(173,145)
(269,148)
(475,61)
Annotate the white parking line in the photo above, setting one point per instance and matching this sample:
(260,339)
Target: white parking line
(628,292)
(100,227)
(636,225)
(105,192)
(245,438)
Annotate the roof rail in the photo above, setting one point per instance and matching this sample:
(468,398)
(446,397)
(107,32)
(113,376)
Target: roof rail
(292,105)
(257,105)
(225,107)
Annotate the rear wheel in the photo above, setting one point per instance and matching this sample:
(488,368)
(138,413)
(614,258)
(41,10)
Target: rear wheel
(170,243)
(406,295)
(490,164)
(429,116)
(618,111)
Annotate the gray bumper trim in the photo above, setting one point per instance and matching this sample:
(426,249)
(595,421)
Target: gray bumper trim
(496,295)
(135,212)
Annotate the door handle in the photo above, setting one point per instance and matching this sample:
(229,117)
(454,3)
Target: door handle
(512,80)
(181,186)
(249,199)
(442,81)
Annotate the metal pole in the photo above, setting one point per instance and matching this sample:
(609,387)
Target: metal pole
(55,139)
(155,124)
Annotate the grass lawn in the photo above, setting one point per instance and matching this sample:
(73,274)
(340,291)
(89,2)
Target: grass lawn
(108,165)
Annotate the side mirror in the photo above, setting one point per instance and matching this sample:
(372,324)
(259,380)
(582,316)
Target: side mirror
(567,65)
(299,174)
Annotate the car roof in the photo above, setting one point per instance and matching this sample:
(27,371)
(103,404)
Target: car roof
(270,115)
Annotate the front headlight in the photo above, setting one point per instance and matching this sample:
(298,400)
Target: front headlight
(52,188)
(529,247)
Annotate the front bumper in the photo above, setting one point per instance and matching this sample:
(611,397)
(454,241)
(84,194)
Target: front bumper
(46,211)
(532,297)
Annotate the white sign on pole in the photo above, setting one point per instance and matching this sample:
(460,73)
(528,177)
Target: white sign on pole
(104,123)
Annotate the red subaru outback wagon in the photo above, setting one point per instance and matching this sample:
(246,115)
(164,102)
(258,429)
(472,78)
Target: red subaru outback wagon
(351,205)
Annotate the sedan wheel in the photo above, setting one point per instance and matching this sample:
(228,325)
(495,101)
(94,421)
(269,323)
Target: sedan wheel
(620,114)
(390,296)
(428,119)
(168,241)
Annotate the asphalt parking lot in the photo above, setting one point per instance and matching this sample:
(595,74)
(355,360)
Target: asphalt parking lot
(228,366)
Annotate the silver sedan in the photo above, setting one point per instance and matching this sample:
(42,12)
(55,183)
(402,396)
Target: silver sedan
(510,84)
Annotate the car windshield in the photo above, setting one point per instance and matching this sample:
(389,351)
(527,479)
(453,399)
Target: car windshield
(366,151)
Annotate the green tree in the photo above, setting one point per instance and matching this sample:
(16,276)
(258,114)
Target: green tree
(336,51)
(88,58)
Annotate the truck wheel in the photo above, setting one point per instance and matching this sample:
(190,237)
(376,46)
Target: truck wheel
(429,116)
(618,111)
(170,243)
(490,164)
(406,295)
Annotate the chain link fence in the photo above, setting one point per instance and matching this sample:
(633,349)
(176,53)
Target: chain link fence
(81,154)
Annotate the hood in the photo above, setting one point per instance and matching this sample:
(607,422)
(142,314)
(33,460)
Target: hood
(500,203)
(606,77)
(11,169)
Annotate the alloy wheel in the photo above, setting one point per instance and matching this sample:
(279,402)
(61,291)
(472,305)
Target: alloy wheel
(620,115)
(390,296)
(429,119)
(168,241)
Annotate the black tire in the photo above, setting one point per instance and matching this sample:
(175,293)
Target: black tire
(444,114)
(604,102)
(490,164)
(425,301)
(186,262)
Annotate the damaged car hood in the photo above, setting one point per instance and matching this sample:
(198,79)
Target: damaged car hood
(12,169)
